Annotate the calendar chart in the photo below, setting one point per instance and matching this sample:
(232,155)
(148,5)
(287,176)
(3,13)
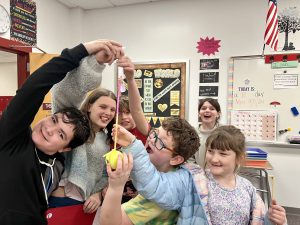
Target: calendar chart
(256,125)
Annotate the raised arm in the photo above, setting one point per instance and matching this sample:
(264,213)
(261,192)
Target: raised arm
(166,189)
(134,96)
(23,107)
(72,90)
(111,211)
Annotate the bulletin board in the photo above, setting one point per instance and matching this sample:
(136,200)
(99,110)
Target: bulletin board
(254,86)
(162,89)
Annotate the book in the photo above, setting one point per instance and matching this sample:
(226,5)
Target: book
(256,153)
(256,163)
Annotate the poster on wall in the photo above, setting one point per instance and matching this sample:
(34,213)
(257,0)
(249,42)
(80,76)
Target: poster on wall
(208,46)
(23,21)
(208,91)
(256,125)
(209,64)
(209,77)
(288,25)
(162,89)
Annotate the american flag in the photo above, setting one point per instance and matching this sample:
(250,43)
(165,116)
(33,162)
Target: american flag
(271,33)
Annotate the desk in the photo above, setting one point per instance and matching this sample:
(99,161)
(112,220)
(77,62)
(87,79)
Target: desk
(261,173)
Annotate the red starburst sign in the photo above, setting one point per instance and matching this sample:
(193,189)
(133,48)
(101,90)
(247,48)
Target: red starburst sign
(208,46)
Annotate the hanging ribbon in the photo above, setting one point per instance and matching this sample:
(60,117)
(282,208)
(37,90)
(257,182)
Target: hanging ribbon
(112,156)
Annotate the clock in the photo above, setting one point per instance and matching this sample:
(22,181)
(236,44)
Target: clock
(4,20)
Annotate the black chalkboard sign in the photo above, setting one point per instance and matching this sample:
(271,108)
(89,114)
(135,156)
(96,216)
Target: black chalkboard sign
(209,64)
(23,21)
(210,77)
(209,91)
(162,90)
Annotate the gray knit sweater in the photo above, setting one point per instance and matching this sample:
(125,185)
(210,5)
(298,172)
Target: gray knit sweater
(85,166)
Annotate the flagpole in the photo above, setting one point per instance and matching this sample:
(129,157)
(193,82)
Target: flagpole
(263,52)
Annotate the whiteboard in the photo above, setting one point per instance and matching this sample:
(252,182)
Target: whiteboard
(254,85)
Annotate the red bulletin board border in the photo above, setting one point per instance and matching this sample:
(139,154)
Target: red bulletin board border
(4,100)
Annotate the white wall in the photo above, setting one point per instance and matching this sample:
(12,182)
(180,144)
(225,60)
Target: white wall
(170,30)
(8,73)
(55,27)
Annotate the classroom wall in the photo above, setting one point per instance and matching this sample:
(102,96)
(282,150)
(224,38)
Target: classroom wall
(170,30)
(56,28)
(8,74)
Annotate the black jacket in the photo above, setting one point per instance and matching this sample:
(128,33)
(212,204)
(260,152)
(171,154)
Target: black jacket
(22,195)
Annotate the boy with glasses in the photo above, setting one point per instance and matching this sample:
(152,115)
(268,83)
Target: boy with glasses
(185,189)
(168,147)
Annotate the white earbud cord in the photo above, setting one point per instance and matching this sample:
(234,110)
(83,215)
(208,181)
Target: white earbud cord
(52,173)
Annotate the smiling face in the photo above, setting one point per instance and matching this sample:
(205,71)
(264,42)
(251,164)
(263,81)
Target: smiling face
(126,120)
(161,159)
(101,112)
(225,151)
(221,163)
(208,115)
(52,135)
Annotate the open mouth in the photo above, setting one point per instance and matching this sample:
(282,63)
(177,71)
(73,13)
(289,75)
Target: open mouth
(149,150)
(124,123)
(214,165)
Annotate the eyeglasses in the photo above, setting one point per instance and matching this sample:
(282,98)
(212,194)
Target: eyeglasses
(158,143)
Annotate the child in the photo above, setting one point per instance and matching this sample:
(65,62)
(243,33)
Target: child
(131,117)
(83,178)
(209,112)
(139,129)
(27,155)
(232,197)
(187,189)
(168,147)
(131,113)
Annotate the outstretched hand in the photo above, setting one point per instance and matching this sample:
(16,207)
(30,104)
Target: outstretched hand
(277,214)
(119,176)
(124,137)
(128,67)
(107,51)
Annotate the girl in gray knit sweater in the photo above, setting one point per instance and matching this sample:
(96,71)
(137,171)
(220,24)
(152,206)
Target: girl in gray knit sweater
(84,179)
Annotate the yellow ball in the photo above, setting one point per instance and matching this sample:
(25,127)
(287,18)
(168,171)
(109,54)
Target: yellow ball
(112,158)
